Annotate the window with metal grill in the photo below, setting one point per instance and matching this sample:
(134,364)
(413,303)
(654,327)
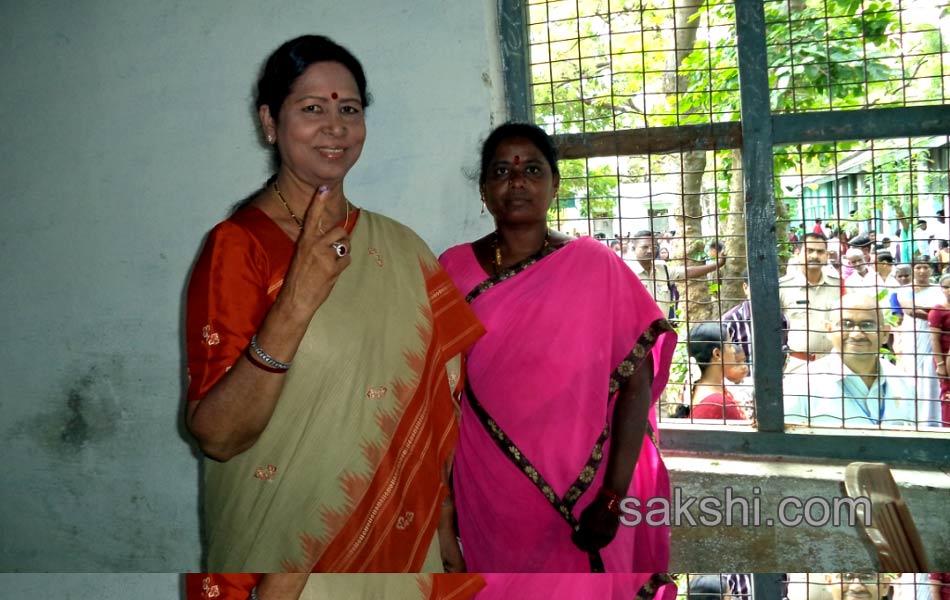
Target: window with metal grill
(728,127)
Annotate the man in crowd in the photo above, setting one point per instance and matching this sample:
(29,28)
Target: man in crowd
(883,267)
(807,294)
(839,586)
(852,386)
(886,245)
(713,249)
(921,239)
(657,276)
(738,321)
(858,586)
(861,243)
(617,247)
(861,277)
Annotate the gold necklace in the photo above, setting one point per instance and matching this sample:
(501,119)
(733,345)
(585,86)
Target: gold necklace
(298,221)
(497,264)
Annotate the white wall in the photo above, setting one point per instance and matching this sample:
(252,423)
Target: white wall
(93,586)
(127,134)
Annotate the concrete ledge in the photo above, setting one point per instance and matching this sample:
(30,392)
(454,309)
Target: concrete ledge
(781,548)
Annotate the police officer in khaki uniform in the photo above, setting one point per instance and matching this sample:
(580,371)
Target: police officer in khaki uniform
(657,276)
(809,296)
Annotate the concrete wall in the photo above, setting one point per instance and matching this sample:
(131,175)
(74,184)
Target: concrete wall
(93,586)
(802,548)
(128,132)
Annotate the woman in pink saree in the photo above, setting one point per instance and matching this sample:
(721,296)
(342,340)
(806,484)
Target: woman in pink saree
(577,586)
(558,416)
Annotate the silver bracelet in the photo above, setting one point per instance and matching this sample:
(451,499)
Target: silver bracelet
(267,359)
(254,595)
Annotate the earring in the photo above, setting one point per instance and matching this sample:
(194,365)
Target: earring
(484,208)
(270,139)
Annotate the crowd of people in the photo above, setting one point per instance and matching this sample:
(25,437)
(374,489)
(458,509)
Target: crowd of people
(867,586)
(866,340)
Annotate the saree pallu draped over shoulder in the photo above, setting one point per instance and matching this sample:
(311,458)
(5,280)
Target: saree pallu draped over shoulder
(346,477)
(563,334)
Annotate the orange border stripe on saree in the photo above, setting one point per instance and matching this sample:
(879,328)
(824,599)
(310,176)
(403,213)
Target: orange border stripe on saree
(400,509)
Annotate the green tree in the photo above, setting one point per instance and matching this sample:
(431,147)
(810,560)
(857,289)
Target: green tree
(814,64)
(585,82)
(592,189)
(629,64)
(897,181)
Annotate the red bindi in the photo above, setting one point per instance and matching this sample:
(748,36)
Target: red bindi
(334,95)
(517,159)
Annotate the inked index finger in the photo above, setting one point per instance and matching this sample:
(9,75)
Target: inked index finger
(312,220)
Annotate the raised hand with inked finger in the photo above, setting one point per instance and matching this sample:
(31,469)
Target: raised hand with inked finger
(317,263)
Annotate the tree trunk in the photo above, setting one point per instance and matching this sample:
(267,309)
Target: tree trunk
(695,303)
(685,33)
(781,232)
(733,231)
(694,296)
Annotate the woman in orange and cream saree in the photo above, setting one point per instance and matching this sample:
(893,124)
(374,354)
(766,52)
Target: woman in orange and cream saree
(335,586)
(322,352)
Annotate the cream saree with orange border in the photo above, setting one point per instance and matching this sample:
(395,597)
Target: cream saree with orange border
(347,475)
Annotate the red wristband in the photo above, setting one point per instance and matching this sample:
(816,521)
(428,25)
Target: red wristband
(613,499)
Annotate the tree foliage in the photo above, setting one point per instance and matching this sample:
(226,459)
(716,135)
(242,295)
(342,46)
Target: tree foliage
(592,189)
(897,181)
(606,69)
(603,66)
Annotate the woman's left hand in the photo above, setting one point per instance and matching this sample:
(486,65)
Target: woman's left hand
(598,526)
(599,521)
(452,559)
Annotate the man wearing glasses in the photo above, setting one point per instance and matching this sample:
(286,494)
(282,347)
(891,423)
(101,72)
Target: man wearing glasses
(858,586)
(839,586)
(852,386)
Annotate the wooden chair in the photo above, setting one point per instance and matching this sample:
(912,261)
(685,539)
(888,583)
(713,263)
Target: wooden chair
(892,536)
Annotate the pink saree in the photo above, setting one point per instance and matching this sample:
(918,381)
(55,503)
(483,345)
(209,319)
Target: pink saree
(577,586)
(563,330)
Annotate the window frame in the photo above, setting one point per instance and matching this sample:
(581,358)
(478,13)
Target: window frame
(756,134)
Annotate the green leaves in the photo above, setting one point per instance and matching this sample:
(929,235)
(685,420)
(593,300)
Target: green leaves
(593,190)
(602,65)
